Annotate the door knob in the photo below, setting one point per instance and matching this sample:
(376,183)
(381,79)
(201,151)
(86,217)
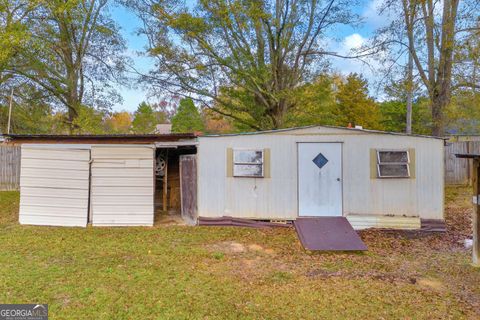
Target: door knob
(338,179)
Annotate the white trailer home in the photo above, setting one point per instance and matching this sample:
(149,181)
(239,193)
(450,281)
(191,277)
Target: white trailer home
(374,178)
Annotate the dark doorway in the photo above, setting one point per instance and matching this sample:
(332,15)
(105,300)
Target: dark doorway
(167,182)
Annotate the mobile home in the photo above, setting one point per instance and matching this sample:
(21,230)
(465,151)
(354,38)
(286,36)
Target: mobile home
(373,178)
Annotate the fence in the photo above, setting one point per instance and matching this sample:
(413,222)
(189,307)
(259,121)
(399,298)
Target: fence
(9,167)
(459,171)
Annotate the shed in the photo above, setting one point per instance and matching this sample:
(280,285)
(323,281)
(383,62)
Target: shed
(114,180)
(373,178)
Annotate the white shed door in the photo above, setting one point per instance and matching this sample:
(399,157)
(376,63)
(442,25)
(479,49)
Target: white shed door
(319,179)
(122,186)
(54,184)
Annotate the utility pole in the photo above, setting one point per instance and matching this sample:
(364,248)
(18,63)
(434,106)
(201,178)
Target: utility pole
(408,127)
(10,112)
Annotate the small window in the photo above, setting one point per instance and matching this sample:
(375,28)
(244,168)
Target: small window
(248,163)
(393,164)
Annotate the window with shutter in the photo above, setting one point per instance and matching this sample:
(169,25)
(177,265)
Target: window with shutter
(393,164)
(248,163)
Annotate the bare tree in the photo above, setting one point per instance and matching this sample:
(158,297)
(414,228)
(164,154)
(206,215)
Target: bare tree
(242,59)
(430,32)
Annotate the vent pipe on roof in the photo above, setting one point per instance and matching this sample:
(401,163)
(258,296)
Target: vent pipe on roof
(164,128)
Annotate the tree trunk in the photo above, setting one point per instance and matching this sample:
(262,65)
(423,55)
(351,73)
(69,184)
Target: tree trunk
(72,96)
(73,105)
(439,102)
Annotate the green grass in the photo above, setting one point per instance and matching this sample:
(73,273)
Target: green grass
(169,272)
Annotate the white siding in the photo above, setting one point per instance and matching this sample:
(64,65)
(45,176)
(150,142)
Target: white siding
(122,185)
(276,197)
(54,184)
(375,221)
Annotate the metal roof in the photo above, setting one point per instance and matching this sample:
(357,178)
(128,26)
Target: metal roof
(107,138)
(119,138)
(325,126)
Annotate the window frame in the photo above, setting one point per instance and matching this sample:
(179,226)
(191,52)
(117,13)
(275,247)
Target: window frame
(235,163)
(380,163)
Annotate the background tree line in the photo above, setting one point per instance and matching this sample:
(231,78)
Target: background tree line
(242,65)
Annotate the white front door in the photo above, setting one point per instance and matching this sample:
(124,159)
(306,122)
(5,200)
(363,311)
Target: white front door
(319,179)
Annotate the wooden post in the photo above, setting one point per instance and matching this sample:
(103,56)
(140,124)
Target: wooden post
(470,165)
(476,212)
(10,112)
(165,183)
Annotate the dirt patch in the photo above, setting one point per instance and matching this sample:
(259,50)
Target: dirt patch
(255,247)
(229,247)
(168,220)
(233,247)
(63,299)
(431,284)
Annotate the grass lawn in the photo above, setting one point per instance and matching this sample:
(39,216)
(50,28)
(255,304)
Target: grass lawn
(172,272)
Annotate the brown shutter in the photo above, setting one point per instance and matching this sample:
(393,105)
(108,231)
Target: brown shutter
(229,164)
(412,166)
(266,163)
(373,164)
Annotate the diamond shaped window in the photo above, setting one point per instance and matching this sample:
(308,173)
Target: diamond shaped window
(320,160)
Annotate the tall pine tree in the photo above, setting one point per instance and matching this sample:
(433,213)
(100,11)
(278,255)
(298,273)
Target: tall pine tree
(145,119)
(187,118)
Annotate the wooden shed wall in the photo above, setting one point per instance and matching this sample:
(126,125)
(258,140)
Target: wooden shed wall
(9,167)
(276,197)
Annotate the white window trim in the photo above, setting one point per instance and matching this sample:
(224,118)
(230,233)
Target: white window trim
(379,175)
(262,164)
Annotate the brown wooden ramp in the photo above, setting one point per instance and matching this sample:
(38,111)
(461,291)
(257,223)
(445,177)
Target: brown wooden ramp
(328,234)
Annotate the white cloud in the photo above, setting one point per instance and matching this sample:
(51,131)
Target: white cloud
(353,41)
(344,66)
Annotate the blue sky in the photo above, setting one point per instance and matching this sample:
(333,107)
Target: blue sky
(349,38)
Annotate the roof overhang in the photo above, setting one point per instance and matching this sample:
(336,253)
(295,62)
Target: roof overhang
(173,138)
(176,144)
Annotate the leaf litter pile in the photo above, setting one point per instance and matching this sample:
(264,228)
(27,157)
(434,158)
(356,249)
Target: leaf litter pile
(435,263)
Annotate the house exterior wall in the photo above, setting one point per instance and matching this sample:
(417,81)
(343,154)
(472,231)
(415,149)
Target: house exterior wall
(276,197)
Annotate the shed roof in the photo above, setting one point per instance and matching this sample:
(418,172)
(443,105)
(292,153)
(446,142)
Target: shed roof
(99,139)
(328,127)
